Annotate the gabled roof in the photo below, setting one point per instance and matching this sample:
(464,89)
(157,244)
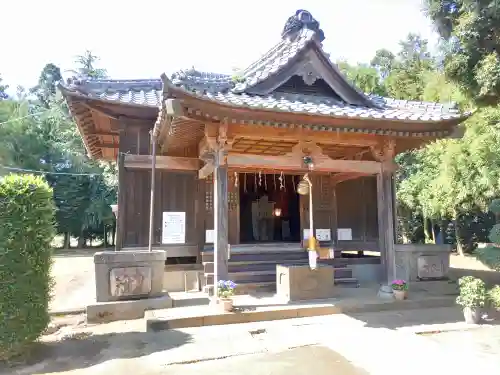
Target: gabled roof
(295,76)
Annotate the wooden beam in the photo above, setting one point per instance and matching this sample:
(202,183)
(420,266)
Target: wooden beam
(206,171)
(104,133)
(106,145)
(292,162)
(162,162)
(221,232)
(174,108)
(341,177)
(295,135)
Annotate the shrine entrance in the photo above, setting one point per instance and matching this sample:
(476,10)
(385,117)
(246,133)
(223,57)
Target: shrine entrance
(269,208)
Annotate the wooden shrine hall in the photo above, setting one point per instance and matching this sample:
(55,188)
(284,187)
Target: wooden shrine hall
(228,153)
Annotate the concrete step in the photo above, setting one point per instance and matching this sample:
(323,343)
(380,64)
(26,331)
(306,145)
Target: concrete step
(341,273)
(246,287)
(347,281)
(282,256)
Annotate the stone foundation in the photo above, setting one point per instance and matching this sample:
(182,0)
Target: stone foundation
(299,282)
(129,275)
(416,262)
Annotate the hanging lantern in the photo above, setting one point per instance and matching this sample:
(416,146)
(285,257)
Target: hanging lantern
(308,161)
(303,187)
(277,212)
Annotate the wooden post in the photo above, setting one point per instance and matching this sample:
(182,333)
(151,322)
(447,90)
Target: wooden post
(386,223)
(120,220)
(221,233)
(152,198)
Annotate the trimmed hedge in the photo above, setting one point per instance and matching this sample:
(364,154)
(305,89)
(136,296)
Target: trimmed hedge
(27,214)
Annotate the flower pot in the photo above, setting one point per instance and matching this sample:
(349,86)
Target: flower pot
(400,295)
(226,304)
(472,315)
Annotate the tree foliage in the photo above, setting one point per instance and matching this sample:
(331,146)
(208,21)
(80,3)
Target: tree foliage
(40,135)
(470,30)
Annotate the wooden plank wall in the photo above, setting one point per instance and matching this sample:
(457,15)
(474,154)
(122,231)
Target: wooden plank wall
(357,209)
(175,191)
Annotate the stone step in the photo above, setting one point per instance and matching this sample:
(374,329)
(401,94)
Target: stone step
(246,287)
(344,274)
(208,267)
(347,281)
(256,257)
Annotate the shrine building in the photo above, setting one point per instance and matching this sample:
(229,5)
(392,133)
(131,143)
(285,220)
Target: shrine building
(228,153)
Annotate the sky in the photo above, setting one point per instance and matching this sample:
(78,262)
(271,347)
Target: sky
(143,39)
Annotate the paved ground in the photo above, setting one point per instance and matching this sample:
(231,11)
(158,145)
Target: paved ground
(74,280)
(483,343)
(358,344)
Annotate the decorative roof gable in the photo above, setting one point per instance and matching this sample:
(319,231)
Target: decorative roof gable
(299,53)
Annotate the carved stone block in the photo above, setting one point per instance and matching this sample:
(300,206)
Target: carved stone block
(130,281)
(298,282)
(430,267)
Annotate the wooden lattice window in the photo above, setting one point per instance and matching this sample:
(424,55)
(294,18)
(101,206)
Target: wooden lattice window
(209,194)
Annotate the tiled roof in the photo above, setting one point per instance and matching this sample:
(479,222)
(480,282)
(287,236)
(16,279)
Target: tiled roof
(301,33)
(216,87)
(274,60)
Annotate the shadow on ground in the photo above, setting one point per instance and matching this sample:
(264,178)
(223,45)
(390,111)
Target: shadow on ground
(409,318)
(489,277)
(79,353)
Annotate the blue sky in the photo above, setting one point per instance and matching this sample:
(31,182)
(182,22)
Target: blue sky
(142,39)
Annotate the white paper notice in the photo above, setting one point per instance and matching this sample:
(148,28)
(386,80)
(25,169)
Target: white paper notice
(323,234)
(344,234)
(174,228)
(209,236)
(306,234)
(313,258)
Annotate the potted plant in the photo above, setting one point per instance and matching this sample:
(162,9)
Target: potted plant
(472,298)
(400,289)
(225,290)
(494,298)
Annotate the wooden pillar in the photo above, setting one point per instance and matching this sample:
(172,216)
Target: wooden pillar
(384,153)
(386,223)
(120,220)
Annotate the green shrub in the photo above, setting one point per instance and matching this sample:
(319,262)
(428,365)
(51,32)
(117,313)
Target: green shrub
(490,256)
(472,292)
(494,235)
(26,231)
(495,206)
(494,296)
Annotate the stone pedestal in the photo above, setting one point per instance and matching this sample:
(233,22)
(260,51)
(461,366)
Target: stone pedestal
(299,282)
(415,262)
(129,274)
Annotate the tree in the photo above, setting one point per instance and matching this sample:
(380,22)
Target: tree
(383,61)
(86,67)
(365,77)
(3,89)
(470,29)
(47,82)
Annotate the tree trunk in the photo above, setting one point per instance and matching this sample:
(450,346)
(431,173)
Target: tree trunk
(427,235)
(67,241)
(433,232)
(105,237)
(458,238)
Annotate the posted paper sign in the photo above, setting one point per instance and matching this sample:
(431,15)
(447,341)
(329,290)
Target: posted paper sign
(323,235)
(209,236)
(344,234)
(174,228)
(306,234)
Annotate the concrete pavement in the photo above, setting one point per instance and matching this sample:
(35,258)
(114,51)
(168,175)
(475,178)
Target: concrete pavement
(349,343)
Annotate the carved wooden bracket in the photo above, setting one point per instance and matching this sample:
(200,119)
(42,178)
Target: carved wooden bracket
(213,148)
(385,151)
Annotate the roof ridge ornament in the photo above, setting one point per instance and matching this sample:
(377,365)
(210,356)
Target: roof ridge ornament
(302,19)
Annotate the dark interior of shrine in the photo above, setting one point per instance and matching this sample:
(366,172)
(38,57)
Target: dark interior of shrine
(269,208)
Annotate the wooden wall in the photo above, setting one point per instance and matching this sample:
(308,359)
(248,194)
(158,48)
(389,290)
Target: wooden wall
(175,191)
(357,209)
